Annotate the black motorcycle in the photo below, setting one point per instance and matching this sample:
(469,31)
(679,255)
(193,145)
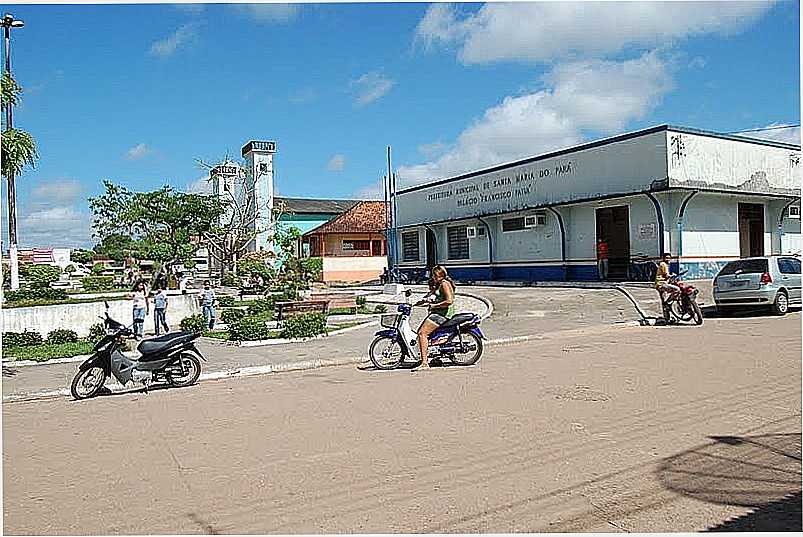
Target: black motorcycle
(172,358)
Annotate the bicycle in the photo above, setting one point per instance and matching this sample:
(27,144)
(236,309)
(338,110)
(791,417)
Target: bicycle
(642,269)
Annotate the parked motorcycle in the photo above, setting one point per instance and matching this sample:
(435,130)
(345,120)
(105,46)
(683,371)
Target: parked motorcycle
(459,339)
(172,358)
(682,306)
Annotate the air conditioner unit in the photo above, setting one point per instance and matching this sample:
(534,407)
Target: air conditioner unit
(540,219)
(794,212)
(530,221)
(471,232)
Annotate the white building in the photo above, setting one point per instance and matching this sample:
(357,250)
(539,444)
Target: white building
(706,198)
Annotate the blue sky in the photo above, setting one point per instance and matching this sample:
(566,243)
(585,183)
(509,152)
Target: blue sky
(137,93)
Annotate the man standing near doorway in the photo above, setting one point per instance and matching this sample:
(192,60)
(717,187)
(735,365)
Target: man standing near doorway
(602,258)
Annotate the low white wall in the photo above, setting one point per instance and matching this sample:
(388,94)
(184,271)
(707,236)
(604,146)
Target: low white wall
(353,269)
(80,317)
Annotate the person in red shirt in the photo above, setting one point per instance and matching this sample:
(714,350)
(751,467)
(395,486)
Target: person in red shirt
(602,259)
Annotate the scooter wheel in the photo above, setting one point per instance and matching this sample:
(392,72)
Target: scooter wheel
(474,343)
(87,383)
(192,370)
(386,353)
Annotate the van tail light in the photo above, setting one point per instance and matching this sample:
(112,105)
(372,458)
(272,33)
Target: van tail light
(766,278)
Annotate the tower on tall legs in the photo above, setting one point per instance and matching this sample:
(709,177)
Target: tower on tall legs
(259,159)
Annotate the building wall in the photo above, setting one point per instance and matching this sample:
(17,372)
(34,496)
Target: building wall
(353,269)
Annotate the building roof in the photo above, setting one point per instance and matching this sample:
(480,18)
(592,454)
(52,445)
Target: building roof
(365,217)
(598,143)
(315,206)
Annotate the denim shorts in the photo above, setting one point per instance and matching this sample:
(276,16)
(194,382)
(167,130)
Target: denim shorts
(437,319)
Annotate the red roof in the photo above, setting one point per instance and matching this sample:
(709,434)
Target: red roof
(365,217)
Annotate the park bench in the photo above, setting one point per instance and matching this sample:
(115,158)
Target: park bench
(288,309)
(338,300)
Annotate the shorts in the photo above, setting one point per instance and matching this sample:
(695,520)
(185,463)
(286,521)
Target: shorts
(437,319)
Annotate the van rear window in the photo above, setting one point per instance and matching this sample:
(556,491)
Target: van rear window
(747,266)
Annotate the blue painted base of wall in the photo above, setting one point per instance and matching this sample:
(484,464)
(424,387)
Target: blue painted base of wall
(701,270)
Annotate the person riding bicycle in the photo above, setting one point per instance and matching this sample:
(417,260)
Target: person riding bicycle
(440,309)
(662,276)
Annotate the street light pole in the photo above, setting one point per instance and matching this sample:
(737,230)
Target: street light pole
(9,22)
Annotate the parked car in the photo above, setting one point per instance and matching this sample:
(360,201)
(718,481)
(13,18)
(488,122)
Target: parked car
(772,281)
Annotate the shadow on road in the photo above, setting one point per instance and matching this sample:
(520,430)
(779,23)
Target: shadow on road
(9,371)
(710,312)
(762,472)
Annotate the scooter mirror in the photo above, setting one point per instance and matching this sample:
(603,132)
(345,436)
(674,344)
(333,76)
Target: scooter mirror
(407,293)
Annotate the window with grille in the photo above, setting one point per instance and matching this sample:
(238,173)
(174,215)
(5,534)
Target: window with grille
(356,245)
(410,246)
(513,224)
(458,242)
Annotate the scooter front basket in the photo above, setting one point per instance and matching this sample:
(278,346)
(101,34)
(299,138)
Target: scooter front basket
(390,321)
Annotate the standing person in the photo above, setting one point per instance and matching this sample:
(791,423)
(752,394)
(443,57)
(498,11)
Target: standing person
(160,310)
(440,309)
(602,259)
(208,305)
(141,309)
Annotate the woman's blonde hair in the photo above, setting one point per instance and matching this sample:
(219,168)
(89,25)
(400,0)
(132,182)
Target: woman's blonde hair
(440,271)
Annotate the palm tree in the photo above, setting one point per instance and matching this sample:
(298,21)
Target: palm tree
(18,151)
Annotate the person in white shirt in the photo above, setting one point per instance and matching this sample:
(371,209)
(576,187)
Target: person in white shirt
(141,309)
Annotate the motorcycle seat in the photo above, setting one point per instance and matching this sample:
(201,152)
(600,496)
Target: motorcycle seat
(457,320)
(158,344)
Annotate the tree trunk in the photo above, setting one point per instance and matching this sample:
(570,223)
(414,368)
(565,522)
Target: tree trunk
(12,232)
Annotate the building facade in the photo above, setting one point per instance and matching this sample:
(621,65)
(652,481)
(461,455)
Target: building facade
(705,198)
(352,246)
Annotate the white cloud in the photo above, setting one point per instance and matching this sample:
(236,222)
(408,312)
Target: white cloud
(184,35)
(60,226)
(337,163)
(432,150)
(190,8)
(61,190)
(591,95)
(138,152)
(277,13)
(790,135)
(370,87)
(541,31)
(370,192)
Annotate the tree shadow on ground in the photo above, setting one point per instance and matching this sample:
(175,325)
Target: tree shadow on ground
(760,472)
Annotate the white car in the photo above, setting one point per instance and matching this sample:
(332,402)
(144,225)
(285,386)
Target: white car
(772,281)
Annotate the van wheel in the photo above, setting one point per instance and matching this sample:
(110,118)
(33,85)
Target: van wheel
(781,304)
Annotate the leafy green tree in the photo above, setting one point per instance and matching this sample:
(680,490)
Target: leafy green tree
(40,275)
(18,151)
(85,257)
(117,247)
(163,225)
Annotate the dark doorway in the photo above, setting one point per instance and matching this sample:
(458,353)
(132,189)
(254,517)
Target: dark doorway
(751,229)
(613,226)
(376,248)
(432,250)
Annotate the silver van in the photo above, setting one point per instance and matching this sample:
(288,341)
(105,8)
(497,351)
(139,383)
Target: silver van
(772,281)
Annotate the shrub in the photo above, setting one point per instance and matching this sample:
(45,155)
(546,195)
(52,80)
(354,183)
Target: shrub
(225,301)
(97,268)
(361,301)
(304,326)
(69,269)
(82,256)
(261,307)
(380,308)
(232,315)
(40,275)
(97,283)
(21,339)
(97,332)
(62,335)
(249,329)
(6,275)
(231,280)
(313,268)
(194,323)
(36,293)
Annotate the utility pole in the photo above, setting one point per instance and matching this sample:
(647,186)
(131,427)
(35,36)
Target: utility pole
(8,23)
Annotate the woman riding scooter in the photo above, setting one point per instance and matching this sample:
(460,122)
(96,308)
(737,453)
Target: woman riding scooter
(439,310)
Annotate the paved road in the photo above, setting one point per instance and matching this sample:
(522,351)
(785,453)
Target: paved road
(518,312)
(620,429)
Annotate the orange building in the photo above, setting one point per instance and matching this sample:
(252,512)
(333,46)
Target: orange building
(352,245)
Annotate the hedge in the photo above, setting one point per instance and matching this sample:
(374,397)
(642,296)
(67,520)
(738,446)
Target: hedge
(194,323)
(98,283)
(252,328)
(21,339)
(62,335)
(35,293)
(304,326)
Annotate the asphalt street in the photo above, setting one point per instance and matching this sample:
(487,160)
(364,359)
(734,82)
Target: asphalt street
(605,428)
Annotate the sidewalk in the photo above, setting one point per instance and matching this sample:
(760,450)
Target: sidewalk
(517,313)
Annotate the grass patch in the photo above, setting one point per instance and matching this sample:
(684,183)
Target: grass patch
(48,351)
(218,334)
(362,309)
(341,326)
(44,302)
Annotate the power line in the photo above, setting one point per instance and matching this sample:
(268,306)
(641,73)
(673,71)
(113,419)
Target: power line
(765,129)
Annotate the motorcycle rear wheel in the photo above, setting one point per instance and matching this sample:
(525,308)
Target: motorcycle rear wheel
(472,341)
(192,370)
(385,353)
(87,383)
(682,309)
